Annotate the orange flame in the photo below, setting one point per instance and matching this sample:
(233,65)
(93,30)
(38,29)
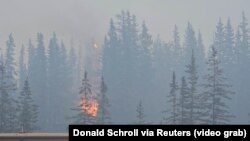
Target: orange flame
(90,107)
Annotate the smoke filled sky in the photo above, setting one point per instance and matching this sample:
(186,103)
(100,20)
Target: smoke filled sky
(86,20)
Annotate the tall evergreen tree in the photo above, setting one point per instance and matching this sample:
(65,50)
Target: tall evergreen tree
(184,104)
(8,109)
(22,67)
(64,67)
(177,40)
(58,84)
(216,91)
(243,68)
(38,79)
(31,63)
(190,42)
(40,70)
(190,39)
(200,54)
(111,54)
(177,51)
(219,40)
(104,111)
(120,59)
(237,50)
(172,114)
(130,56)
(229,44)
(28,110)
(82,116)
(145,46)
(192,81)
(53,65)
(245,33)
(10,65)
(54,97)
(145,62)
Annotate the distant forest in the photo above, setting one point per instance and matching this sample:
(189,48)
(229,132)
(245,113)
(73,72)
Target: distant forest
(132,78)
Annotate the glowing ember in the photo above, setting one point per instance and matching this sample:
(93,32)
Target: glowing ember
(90,107)
(95,45)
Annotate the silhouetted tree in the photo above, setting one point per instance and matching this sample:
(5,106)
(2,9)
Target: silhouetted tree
(184,104)
(216,91)
(82,116)
(22,67)
(172,113)
(27,110)
(8,109)
(104,105)
(191,70)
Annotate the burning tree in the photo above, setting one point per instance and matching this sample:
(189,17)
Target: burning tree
(88,107)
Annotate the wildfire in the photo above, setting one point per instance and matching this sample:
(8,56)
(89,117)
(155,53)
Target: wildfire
(89,106)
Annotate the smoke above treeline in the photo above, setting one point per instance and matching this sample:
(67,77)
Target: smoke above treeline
(131,77)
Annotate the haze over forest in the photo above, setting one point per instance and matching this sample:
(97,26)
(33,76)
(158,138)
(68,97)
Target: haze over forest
(84,20)
(123,62)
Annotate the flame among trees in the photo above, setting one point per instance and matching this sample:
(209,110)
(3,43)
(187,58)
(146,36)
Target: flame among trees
(89,106)
(92,109)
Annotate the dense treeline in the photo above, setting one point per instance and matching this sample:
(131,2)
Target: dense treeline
(131,67)
(136,68)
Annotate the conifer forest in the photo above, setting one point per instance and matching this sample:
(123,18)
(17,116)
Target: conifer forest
(132,69)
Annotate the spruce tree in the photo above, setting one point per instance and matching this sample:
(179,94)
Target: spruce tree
(216,91)
(184,104)
(237,50)
(104,105)
(177,40)
(82,116)
(245,34)
(10,79)
(111,63)
(38,79)
(58,84)
(191,70)
(8,109)
(22,67)
(200,54)
(172,113)
(177,51)
(190,40)
(27,110)
(11,65)
(191,44)
(219,40)
(31,63)
(229,45)
(243,68)
(145,62)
